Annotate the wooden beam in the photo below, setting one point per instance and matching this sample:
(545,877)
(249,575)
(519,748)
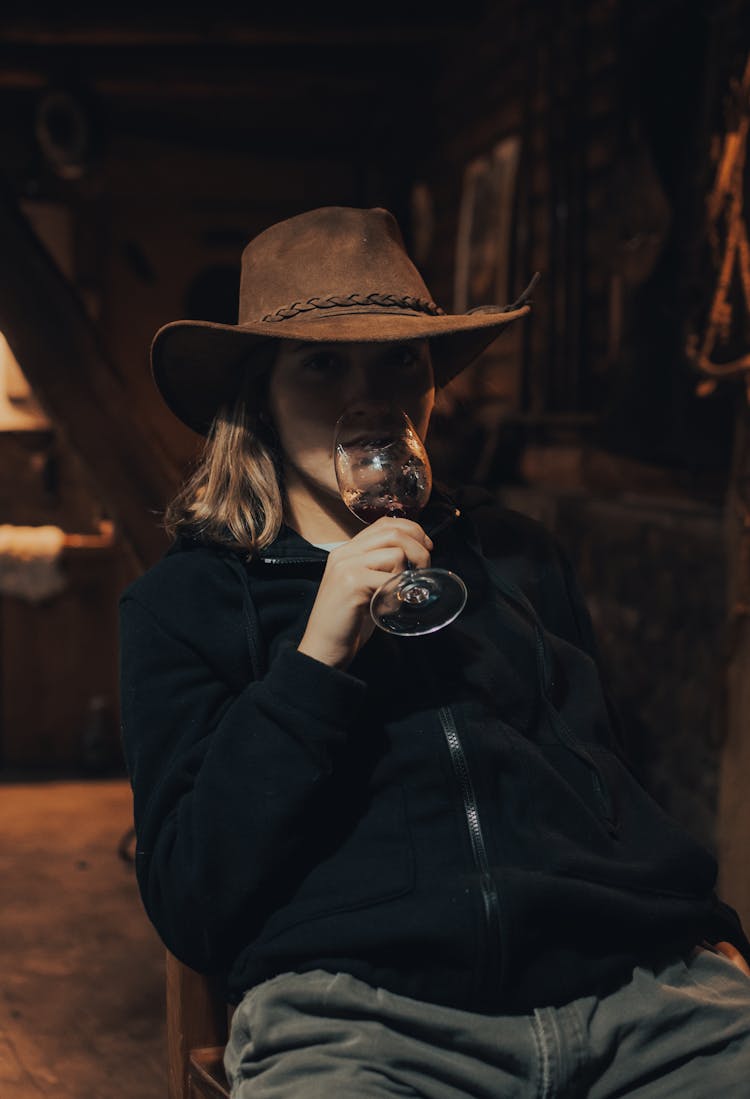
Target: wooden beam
(295,29)
(197,71)
(177,173)
(79,386)
(281,84)
(196,1017)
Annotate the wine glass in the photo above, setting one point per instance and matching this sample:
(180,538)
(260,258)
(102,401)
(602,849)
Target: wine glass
(382,468)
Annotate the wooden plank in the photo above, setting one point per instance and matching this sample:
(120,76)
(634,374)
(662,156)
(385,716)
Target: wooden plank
(82,969)
(55,659)
(205,71)
(246,182)
(303,29)
(80,388)
(207,1076)
(196,1019)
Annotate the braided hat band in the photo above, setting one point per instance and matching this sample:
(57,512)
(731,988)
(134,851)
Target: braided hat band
(417,305)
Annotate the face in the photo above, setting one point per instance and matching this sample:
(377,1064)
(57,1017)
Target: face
(311,384)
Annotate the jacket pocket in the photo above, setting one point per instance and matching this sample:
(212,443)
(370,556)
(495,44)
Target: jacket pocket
(649,853)
(369,862)
(599,789)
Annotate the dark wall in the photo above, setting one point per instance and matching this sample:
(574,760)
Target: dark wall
(620,108)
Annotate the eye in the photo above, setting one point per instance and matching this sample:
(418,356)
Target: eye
(404,356)
(325,362)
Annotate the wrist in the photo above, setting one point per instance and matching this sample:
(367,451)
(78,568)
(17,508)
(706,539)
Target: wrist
(324,653)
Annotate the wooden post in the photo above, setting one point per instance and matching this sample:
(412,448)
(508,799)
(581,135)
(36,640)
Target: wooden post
(80,388)
(196,1018)
(733,821)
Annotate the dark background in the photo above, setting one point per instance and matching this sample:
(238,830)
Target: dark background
(146,146)
(140,148)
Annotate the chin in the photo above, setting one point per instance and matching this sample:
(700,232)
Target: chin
(322,485)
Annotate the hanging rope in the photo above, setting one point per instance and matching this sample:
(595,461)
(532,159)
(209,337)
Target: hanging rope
(726,199)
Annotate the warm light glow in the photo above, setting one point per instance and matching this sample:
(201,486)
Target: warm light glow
(19,408)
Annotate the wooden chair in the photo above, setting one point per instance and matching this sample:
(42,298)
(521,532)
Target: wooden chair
(197,1028)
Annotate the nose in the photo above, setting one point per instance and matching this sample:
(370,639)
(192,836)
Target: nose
(367,383)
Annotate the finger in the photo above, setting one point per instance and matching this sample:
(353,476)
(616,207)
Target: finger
(400,539)
(351,581)
(390,559)
(376,578)
(395,551)
(732,953)
(387,528)
(417,553)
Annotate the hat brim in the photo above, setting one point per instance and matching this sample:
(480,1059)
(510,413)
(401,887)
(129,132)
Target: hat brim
(197,365)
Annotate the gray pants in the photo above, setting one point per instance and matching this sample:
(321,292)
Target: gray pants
(681,1030)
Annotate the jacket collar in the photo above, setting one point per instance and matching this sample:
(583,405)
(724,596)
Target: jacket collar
(289,547)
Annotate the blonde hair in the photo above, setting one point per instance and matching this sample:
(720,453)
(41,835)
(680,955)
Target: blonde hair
(235,496)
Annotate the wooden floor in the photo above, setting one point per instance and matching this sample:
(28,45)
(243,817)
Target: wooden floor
(81,970)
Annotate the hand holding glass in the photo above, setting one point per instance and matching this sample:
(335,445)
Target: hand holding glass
(382,468)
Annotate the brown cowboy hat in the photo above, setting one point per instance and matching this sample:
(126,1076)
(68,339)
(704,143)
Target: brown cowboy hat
(336,274)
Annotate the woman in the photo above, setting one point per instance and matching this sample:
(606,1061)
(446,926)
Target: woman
(422,864)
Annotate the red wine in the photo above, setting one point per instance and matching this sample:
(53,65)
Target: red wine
(370,510)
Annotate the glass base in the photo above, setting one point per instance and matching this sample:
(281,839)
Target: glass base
(418,601)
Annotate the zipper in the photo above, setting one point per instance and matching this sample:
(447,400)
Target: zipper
(489,977)
(490,900)
(293,560)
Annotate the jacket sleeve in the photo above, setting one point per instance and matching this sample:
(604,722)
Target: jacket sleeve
(531,556)
(568,615)
(548,578)
(224,780)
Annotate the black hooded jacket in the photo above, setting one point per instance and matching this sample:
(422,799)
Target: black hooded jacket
(451,818)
